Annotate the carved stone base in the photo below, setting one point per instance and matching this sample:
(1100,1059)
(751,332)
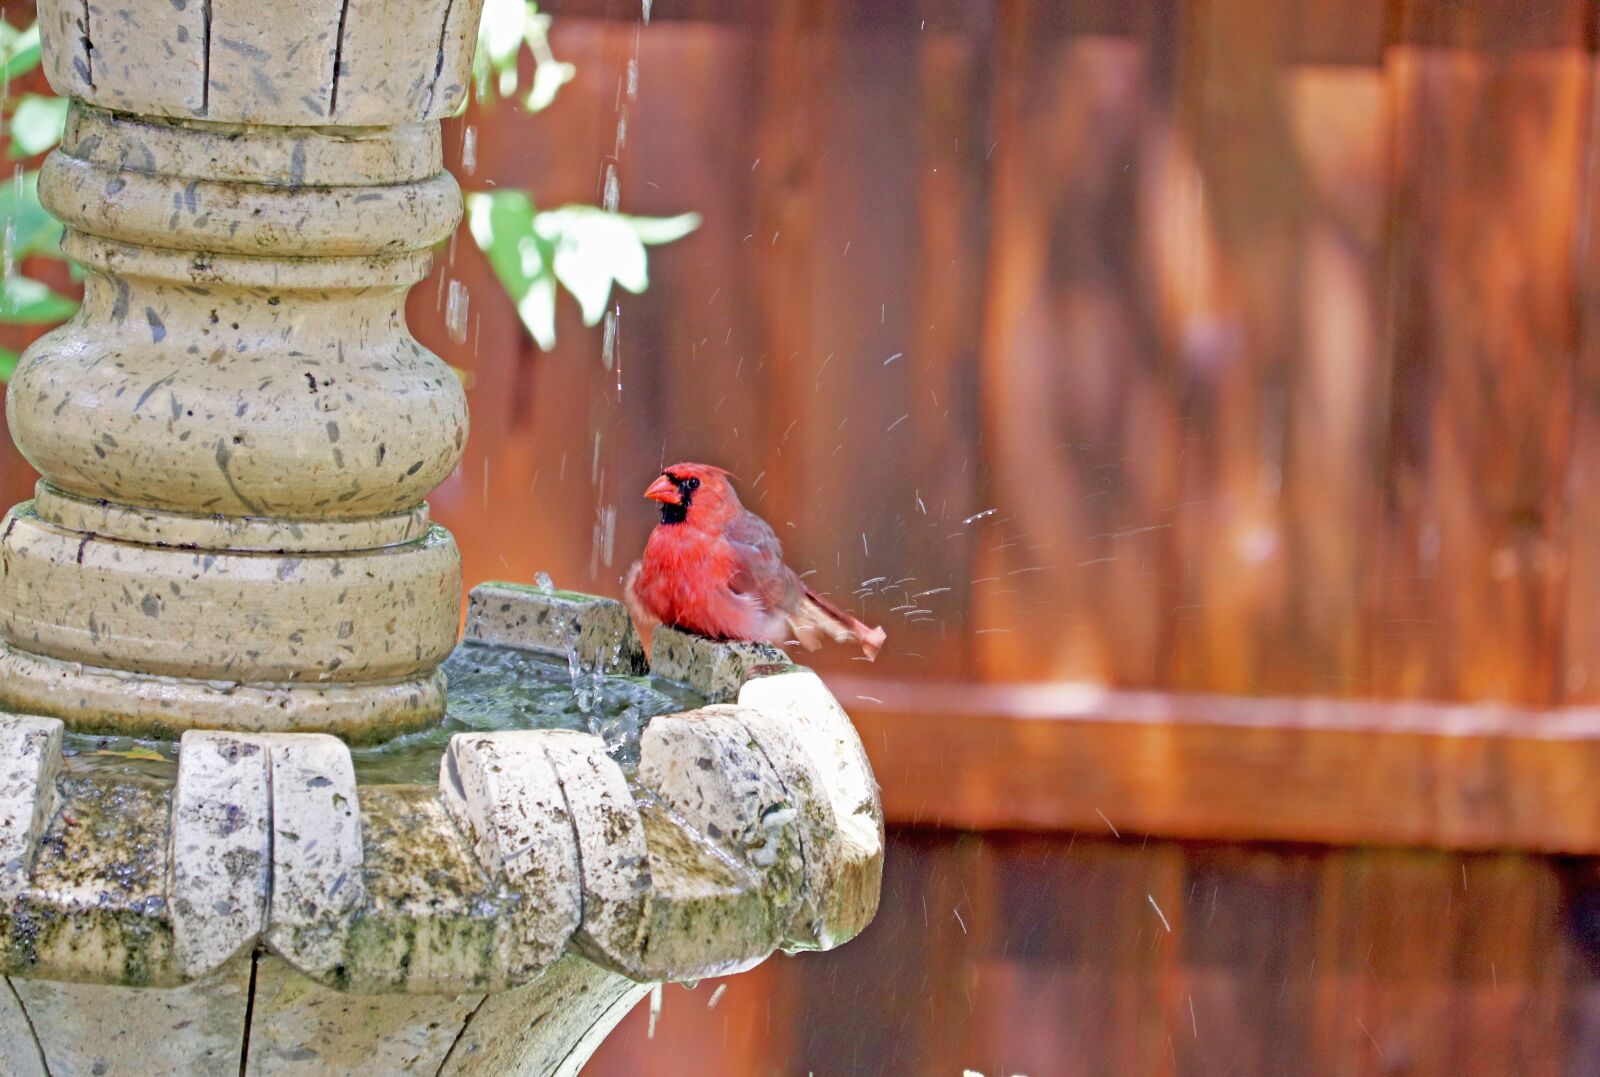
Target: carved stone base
(297,1026)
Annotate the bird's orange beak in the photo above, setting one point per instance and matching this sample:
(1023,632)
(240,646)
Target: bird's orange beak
(663,490)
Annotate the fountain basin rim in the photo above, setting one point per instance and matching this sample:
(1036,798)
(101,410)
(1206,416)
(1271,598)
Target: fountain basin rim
(419,890)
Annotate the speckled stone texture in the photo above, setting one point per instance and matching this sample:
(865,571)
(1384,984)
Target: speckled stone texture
(715,670)
(596,631)
(500,922)
(237,431)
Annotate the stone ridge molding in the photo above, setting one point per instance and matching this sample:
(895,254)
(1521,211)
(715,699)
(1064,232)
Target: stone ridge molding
(287,63)
(237,431)
(536,878)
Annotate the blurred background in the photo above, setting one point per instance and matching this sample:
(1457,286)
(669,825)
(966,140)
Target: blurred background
(1206,398)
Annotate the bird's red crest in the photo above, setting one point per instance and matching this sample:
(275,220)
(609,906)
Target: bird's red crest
(689,469)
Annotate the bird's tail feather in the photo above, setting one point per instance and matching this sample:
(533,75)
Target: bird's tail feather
(816,617)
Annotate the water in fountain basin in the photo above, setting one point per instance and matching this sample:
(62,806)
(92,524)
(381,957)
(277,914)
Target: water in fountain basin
(491,688)
(494,688)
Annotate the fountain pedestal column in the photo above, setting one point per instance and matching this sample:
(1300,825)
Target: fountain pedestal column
(237,431)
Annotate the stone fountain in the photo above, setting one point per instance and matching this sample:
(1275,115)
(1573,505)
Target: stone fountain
(229,547)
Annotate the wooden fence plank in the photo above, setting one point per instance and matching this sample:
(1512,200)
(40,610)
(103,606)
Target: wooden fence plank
(1336,379)
(1073,567)
(1577,672)
(867,310)
(1235,327)
(1247,941)
(1488,148)
(1080,757)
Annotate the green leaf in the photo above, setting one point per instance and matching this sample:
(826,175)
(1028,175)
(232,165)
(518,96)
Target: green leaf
(653,230)
(537,309)
(33,231)
(25,301)
(548,78)
(37,124)
(19,49)
(502,225)
(500,36)
(8,363)
(584,248)
(593,248)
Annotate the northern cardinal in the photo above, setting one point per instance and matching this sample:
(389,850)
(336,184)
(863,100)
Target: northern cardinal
(713,567)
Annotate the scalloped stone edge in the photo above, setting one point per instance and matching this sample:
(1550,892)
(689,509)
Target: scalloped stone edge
(753,826)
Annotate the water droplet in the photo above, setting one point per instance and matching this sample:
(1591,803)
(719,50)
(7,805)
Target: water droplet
(455,312)
(613,195)
(608,348)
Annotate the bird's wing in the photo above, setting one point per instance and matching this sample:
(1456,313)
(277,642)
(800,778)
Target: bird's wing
(644,621)
(759,570)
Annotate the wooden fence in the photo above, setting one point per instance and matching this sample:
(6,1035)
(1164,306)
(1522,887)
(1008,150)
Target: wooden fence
(1218,349)
(1262,328)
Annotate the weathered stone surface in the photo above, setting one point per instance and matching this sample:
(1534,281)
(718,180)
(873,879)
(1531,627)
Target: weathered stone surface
(219,861)
(97,1029)
(707,766)
(321,157)
(715,670)
(126,40)
(64,46)
(764,798)
(237,392)
(116,701)
(271,64)
(597,631)
(613,861)
(150,527)
(95,908)
(317,881)
(801,704)
(351,418)
(659,900)
(30,760)
(299,1026)
(21,1051)
(228,217)
(379,69)
(708,914)
(502,791)
(230,61)
(267,617)
(433,921)
(822,847)
(548,1028)
(753,826)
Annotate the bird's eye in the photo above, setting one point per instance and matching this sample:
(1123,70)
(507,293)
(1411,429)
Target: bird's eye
(693,484)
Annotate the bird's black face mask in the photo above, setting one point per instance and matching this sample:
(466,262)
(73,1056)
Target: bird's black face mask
(677,512)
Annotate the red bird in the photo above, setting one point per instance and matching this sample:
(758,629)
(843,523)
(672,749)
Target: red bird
(713,567)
